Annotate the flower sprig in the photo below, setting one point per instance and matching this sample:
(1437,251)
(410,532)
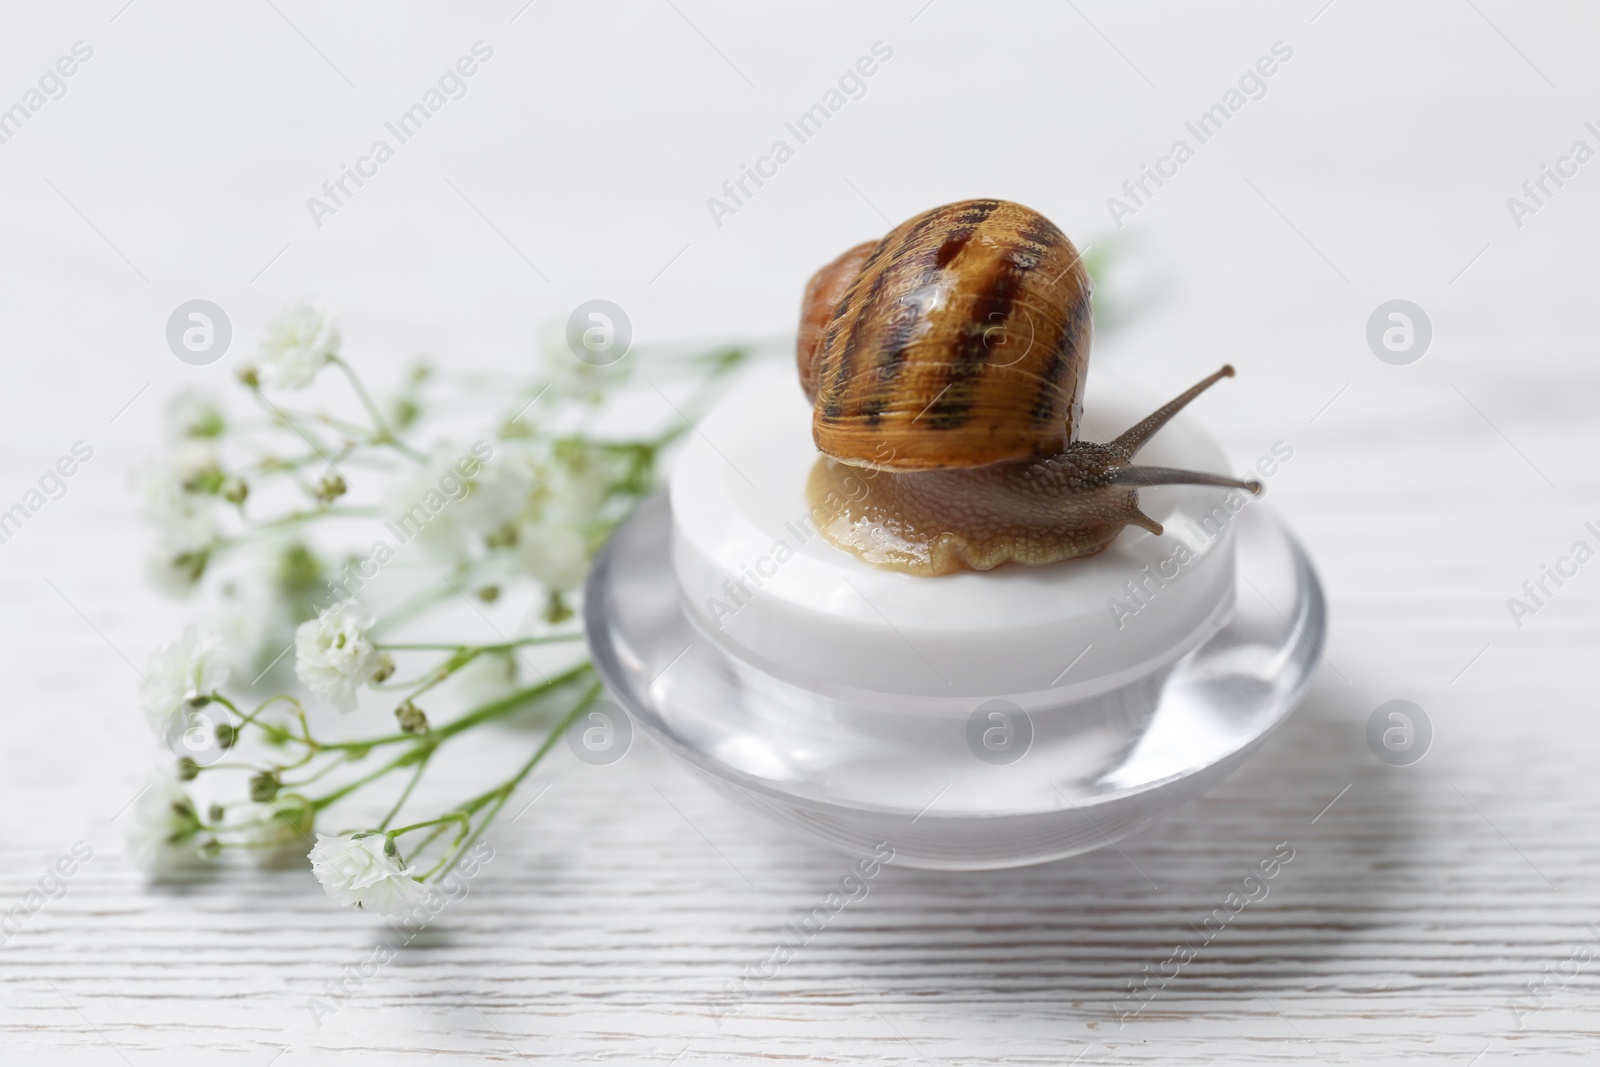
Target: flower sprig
(286,522)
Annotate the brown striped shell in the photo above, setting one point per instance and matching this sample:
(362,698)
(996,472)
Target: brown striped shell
(960,339)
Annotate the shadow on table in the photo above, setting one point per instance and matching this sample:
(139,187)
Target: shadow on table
(1255,887)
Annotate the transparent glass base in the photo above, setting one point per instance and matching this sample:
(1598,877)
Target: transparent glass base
(956,784)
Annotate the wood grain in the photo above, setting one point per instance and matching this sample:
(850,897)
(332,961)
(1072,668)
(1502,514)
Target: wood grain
(608,927)
(1421,902)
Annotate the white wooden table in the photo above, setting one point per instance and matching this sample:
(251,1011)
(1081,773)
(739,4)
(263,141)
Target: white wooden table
(1422,901)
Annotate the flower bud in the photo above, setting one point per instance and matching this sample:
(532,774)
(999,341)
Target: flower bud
(263,787)
(216,813)
(188,769)
(187,568)
(205,480)
(385,669)
(208,421)
(249,376)
(331,488)
(405,412)
(556,610)
(412,719)
(227,735)
(235,489)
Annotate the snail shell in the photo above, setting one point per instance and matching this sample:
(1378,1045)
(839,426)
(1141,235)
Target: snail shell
(945,364)
(959,340)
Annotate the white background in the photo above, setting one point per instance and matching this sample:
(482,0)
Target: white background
(1377,166)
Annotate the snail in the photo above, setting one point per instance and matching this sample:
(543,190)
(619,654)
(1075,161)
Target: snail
(945,364)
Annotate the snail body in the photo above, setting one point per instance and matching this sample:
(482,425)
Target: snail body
(946,365)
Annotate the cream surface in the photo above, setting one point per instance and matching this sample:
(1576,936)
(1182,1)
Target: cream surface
(758,577)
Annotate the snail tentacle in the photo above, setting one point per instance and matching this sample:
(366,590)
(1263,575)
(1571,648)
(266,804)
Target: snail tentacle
(1143,476)
(1136,436)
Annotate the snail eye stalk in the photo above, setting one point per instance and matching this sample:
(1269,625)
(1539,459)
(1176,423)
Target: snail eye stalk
(1139,434)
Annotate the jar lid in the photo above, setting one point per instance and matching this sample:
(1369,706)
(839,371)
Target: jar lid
(758,578)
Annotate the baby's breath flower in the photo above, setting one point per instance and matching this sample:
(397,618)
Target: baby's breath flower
(177,496)
(500,489)
(180,559)
(551,541)
(191,414)
(295,346)
(333,654)
(452,515)
(163,833)
(177,569)
(175,489)
(180,672)
(517,513)
(366,872)
(554,554)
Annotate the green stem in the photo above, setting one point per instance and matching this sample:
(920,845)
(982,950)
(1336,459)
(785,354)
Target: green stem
(278,414)
(426,841)
(268,527)
(348,428)
(441,821)
(405,759)
(422,765)
(514,701)
(502,792)
(496,709)
(461,834)
(271,729)
(504,646)
(272,465)
(383,432)
(440,674)
(331,766)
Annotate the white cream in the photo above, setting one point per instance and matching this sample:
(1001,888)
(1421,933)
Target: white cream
(758,578)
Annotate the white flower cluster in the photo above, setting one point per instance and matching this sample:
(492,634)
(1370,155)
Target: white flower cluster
(240,508)
(296,346)
(364,871)
(335,656)
(552,532)
(163,826)
(540,503)
(459,498)
(176,502)
(162,831)
(180,673)
(166,836)
(181,495)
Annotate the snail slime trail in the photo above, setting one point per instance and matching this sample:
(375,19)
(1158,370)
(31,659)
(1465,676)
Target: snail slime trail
(975,462)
